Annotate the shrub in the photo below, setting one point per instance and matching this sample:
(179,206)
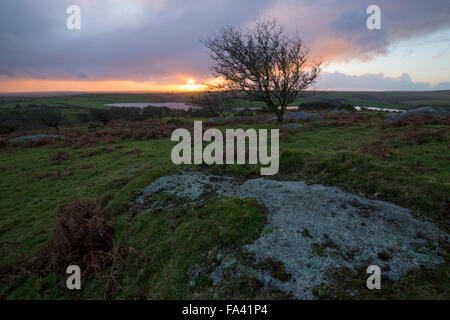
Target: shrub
(125,113)
(175,122)
(284,134)
(88,166)
(136,151)
(8,125)
(292,161)
(82,236)
(39,142)
(50,118)
(416,135)
(325,106)
(414,120)
(100,115)
(376,148)
(346,120)
(60,156)
(155,112)
(92,153)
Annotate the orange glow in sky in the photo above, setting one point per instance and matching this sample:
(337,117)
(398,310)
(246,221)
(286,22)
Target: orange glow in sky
(8,85)
(192,86)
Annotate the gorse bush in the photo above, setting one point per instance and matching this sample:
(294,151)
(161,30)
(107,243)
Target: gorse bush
(30,118)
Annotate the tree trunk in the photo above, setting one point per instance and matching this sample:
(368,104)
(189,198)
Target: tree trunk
(279,116)
(280,113)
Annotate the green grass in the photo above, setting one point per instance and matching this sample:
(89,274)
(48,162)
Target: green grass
(421,284)
(414,176)
(81,100)
(32,194)
(177,240)
(401,100)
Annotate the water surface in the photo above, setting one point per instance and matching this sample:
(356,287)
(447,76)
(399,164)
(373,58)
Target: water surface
(170,105)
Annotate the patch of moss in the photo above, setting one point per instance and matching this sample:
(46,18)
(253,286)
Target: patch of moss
(276,269)
(205,282)
(270,230)
(177,239)
(420,284)
(292,161)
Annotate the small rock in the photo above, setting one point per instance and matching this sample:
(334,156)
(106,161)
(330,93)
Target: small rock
(34,137)
(362,230)
(338,111)
(130,171)
(434,112)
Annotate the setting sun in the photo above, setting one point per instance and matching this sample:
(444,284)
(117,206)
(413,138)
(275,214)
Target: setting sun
(192,86)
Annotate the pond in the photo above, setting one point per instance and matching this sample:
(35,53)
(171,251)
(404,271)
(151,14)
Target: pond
(170,105)
(378,109)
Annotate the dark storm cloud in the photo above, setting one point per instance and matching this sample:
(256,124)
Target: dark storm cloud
(157,40)
(351,26)
(400,19)
(146,40)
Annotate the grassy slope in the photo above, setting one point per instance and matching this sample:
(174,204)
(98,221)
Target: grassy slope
(175,240)
(415,176)
(32,193)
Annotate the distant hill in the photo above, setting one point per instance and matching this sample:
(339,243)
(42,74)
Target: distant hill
(398,99)
(387,99)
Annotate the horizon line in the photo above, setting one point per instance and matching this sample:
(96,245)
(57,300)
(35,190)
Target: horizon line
(61,92)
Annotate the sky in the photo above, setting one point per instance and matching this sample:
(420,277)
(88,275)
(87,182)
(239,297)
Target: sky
(154,45)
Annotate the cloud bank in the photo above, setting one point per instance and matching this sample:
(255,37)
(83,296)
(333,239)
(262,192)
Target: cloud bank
(378,82)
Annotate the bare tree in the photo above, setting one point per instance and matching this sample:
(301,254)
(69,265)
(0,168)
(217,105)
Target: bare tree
(101,115)
(264,62)
(216,99)
(50,117)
